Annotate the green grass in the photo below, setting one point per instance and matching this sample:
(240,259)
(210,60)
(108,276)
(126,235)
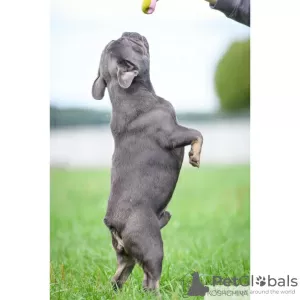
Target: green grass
(209,232)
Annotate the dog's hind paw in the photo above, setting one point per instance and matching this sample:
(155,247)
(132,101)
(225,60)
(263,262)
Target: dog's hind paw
(116,285)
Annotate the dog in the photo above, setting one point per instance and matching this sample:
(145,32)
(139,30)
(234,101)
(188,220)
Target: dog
(147,159)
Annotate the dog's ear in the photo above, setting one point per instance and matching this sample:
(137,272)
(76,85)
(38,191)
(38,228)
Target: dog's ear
(126,74)
(98,88)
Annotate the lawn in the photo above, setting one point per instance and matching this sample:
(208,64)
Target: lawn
(209,233)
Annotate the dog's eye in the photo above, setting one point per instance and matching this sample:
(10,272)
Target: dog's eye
(138,49)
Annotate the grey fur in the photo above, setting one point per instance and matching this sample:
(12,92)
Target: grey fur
(148,155)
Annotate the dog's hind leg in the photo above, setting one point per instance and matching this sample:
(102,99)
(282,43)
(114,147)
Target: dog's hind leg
(144,243)
(125,263)
(152,267)
(125,267)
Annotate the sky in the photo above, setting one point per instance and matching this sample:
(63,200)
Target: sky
(186,40)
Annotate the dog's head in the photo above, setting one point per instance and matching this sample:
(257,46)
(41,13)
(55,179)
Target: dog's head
(123,61)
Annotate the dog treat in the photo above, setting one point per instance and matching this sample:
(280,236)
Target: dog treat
(148,6)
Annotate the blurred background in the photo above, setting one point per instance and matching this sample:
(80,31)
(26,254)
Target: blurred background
(200,62)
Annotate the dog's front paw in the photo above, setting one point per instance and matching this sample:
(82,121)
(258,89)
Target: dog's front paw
(194,158)
(195,152)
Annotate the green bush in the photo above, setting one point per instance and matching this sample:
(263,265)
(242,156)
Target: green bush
(232,77)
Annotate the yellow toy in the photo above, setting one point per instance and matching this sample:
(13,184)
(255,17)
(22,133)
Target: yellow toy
(148,6)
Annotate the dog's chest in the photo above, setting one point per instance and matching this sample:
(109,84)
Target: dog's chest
(125,122)
(117,125)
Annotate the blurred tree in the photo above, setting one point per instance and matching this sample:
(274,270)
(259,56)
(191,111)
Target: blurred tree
(61,117)
(232,77)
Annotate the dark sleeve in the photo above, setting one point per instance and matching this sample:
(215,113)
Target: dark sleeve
(238,10)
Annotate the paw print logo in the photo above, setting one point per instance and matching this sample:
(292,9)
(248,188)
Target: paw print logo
(261,281)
